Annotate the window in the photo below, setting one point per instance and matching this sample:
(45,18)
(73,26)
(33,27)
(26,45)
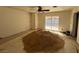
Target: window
(52,22)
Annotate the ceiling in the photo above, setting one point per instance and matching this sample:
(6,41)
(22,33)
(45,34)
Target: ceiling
(33,9)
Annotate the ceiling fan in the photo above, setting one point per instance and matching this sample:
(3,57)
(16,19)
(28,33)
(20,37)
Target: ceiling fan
(54,6)
(40,9)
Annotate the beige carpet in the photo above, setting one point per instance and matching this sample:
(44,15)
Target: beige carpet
(42,41)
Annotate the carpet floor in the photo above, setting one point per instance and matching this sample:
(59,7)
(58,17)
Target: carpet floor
(42,41)
(16,44)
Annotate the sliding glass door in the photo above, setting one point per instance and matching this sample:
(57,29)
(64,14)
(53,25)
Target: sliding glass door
(52,23)
(48,23)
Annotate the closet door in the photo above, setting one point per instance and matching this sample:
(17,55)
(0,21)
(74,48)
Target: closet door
(75,24)
(78,30)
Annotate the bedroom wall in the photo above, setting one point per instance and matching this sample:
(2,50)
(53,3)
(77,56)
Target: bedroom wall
(13,21)
(32,20)
(36,20)
(76,9)
(64,23)
(41,20)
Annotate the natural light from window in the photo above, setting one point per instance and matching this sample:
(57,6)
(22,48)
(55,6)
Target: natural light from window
(52,23)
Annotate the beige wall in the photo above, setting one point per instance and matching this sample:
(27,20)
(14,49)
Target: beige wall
(36,20)
(41,20)
(13,21)
(64,23)
(32,20)
(76,9)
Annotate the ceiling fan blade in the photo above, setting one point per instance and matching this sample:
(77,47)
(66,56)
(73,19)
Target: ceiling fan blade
(40,9)
(45,10)
(54,6)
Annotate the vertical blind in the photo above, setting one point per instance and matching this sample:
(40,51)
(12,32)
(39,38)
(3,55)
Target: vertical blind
(52,22)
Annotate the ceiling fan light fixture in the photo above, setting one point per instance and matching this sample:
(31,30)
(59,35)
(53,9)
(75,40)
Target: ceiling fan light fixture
(55,6)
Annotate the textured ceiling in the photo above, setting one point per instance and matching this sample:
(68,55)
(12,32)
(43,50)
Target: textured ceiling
(34,9)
